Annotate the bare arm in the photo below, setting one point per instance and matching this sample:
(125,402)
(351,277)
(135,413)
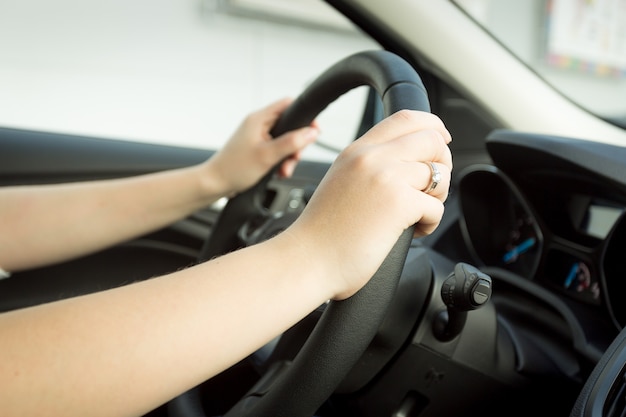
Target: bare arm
(46,224)
(127,350)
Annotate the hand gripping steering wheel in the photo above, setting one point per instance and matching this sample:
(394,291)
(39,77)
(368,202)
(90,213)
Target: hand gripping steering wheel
(346,327)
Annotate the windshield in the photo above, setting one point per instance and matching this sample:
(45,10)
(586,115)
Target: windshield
(578,46)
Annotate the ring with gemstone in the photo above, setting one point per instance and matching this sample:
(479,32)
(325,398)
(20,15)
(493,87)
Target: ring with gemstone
(435,178)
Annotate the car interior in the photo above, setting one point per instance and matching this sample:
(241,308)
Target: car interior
(512,306)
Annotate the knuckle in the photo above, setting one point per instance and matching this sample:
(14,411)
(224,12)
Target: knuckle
(290,140)
(254,117)
(266,156)
(363,161)
(407,115)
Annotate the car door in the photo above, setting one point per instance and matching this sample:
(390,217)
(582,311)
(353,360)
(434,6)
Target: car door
(31,157)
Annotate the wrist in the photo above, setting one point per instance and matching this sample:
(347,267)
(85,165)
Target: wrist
(308,262)
(213,184)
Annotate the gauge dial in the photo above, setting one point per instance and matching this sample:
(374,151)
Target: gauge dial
(499,226)
(572,275)
(519,252)
(580,281)
(512,254)
(522,237)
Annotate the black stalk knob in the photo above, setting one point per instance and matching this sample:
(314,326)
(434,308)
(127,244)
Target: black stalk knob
(465,289)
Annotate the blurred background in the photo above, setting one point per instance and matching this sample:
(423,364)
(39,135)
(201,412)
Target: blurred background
(184,72)
(187,71)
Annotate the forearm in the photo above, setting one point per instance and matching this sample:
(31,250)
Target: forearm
(41,225)
(50,223)
(127,350)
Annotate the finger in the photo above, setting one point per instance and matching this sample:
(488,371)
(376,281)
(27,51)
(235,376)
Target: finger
(422,146)
(277,107)
(294,141)
(405,122)
(288,166)
(419,176)
(269,114)
(432,211)
(437,180)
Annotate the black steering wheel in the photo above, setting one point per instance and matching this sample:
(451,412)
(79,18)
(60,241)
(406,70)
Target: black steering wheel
(346,327)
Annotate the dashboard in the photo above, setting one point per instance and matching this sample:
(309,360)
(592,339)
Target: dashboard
(558,219)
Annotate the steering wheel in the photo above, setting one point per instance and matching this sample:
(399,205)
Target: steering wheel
(346,327)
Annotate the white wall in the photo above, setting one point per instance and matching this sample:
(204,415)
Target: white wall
(158,70)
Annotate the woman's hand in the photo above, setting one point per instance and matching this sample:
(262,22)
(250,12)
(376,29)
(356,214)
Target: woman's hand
(251,152)
(375,189)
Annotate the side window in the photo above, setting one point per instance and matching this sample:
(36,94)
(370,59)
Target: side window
(176,72)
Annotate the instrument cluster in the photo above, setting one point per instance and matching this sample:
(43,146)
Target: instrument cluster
(569,241)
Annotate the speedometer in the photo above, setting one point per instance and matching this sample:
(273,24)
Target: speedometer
(498,225)
(522,238)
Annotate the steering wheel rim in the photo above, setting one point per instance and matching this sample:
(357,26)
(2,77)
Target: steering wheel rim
(346,327)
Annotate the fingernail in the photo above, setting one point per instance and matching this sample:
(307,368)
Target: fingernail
(311,133)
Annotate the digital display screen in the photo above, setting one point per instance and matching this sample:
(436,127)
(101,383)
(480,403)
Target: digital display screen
(593,217)
(600,219)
